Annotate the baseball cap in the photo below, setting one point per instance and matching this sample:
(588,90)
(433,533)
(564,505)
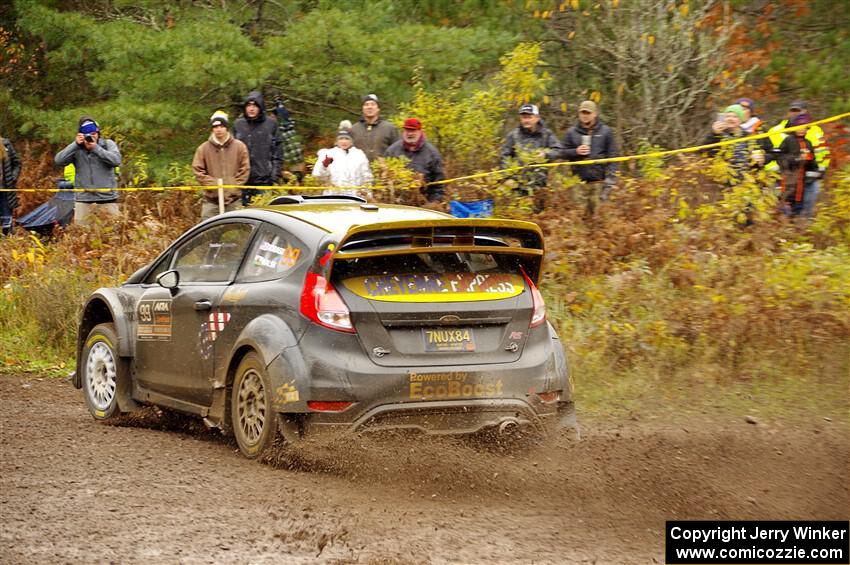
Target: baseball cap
(800,120)
(798,105)
(588,106)
(371,97)
(412,123)
(88,127)
(529,109)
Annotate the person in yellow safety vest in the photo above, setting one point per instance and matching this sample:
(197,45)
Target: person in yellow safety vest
(821,151)
(69,173)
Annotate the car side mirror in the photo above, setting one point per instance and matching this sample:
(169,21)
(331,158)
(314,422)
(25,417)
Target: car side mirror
(169,280)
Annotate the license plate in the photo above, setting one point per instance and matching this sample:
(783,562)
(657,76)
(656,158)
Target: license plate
(448,339)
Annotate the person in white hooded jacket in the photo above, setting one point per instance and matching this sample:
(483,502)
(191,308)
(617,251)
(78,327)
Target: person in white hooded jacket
(344,166)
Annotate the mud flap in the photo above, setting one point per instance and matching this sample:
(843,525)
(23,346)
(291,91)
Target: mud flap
(124,396)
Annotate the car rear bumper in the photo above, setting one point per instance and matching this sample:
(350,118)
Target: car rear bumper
(434,418)
(447,418)
(438,400)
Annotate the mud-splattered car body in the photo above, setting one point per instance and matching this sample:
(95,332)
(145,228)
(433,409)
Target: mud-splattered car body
(320,315)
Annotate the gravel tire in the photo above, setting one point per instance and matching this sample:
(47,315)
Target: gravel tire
(105,374)
(253,418)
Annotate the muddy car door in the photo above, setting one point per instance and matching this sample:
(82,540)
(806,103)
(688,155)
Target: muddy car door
(178,327)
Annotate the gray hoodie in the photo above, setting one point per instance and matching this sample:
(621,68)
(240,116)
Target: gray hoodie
(94,169)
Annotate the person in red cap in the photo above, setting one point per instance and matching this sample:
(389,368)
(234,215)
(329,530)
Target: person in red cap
(425,160)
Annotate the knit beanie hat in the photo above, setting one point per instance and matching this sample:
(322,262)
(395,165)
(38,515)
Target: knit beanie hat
(344,129)
(219,118)
(749,102)
(736,109)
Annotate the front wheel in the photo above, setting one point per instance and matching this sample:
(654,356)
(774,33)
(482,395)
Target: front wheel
(105,374)
(253,418)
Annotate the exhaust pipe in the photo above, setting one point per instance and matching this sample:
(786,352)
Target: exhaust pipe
(508,427)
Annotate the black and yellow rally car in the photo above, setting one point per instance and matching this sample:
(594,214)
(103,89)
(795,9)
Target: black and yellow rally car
(328,315)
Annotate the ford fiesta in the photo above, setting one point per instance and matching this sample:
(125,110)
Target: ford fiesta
(318,316)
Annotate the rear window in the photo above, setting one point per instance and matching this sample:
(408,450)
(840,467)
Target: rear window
(431,277)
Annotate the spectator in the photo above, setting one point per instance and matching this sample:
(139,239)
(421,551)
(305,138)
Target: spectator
(751,123)
(344,165)
(94,159)
(10,170)
(293,153)
(591,139)
(530,135)
(425,160)
(743,156)
(221,160)
(817,139)
(371,134)
(260,134)
(798,165)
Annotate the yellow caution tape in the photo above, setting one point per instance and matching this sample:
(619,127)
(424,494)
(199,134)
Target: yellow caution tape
(622,159)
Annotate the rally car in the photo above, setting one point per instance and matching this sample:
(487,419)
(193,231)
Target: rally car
(318,316)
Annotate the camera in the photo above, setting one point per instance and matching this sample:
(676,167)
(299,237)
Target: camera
(88,138)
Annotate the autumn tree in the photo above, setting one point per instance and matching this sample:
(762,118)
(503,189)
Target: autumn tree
(651,63)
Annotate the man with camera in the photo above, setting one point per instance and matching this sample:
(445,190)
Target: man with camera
(94,159)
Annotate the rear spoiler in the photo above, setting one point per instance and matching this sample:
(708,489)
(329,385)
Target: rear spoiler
(524,240)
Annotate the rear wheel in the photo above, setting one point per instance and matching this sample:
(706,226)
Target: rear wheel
(253,418)
(105,375)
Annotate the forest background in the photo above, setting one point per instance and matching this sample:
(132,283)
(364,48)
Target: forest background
(664,292)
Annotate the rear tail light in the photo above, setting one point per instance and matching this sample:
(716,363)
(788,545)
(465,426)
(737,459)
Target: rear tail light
(538,307)
(549,397)
(322,304)
(320,406)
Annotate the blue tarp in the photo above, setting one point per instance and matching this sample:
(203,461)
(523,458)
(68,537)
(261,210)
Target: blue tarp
(475,209)
(59,210)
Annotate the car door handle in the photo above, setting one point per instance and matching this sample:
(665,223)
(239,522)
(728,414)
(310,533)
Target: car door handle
(201,305)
